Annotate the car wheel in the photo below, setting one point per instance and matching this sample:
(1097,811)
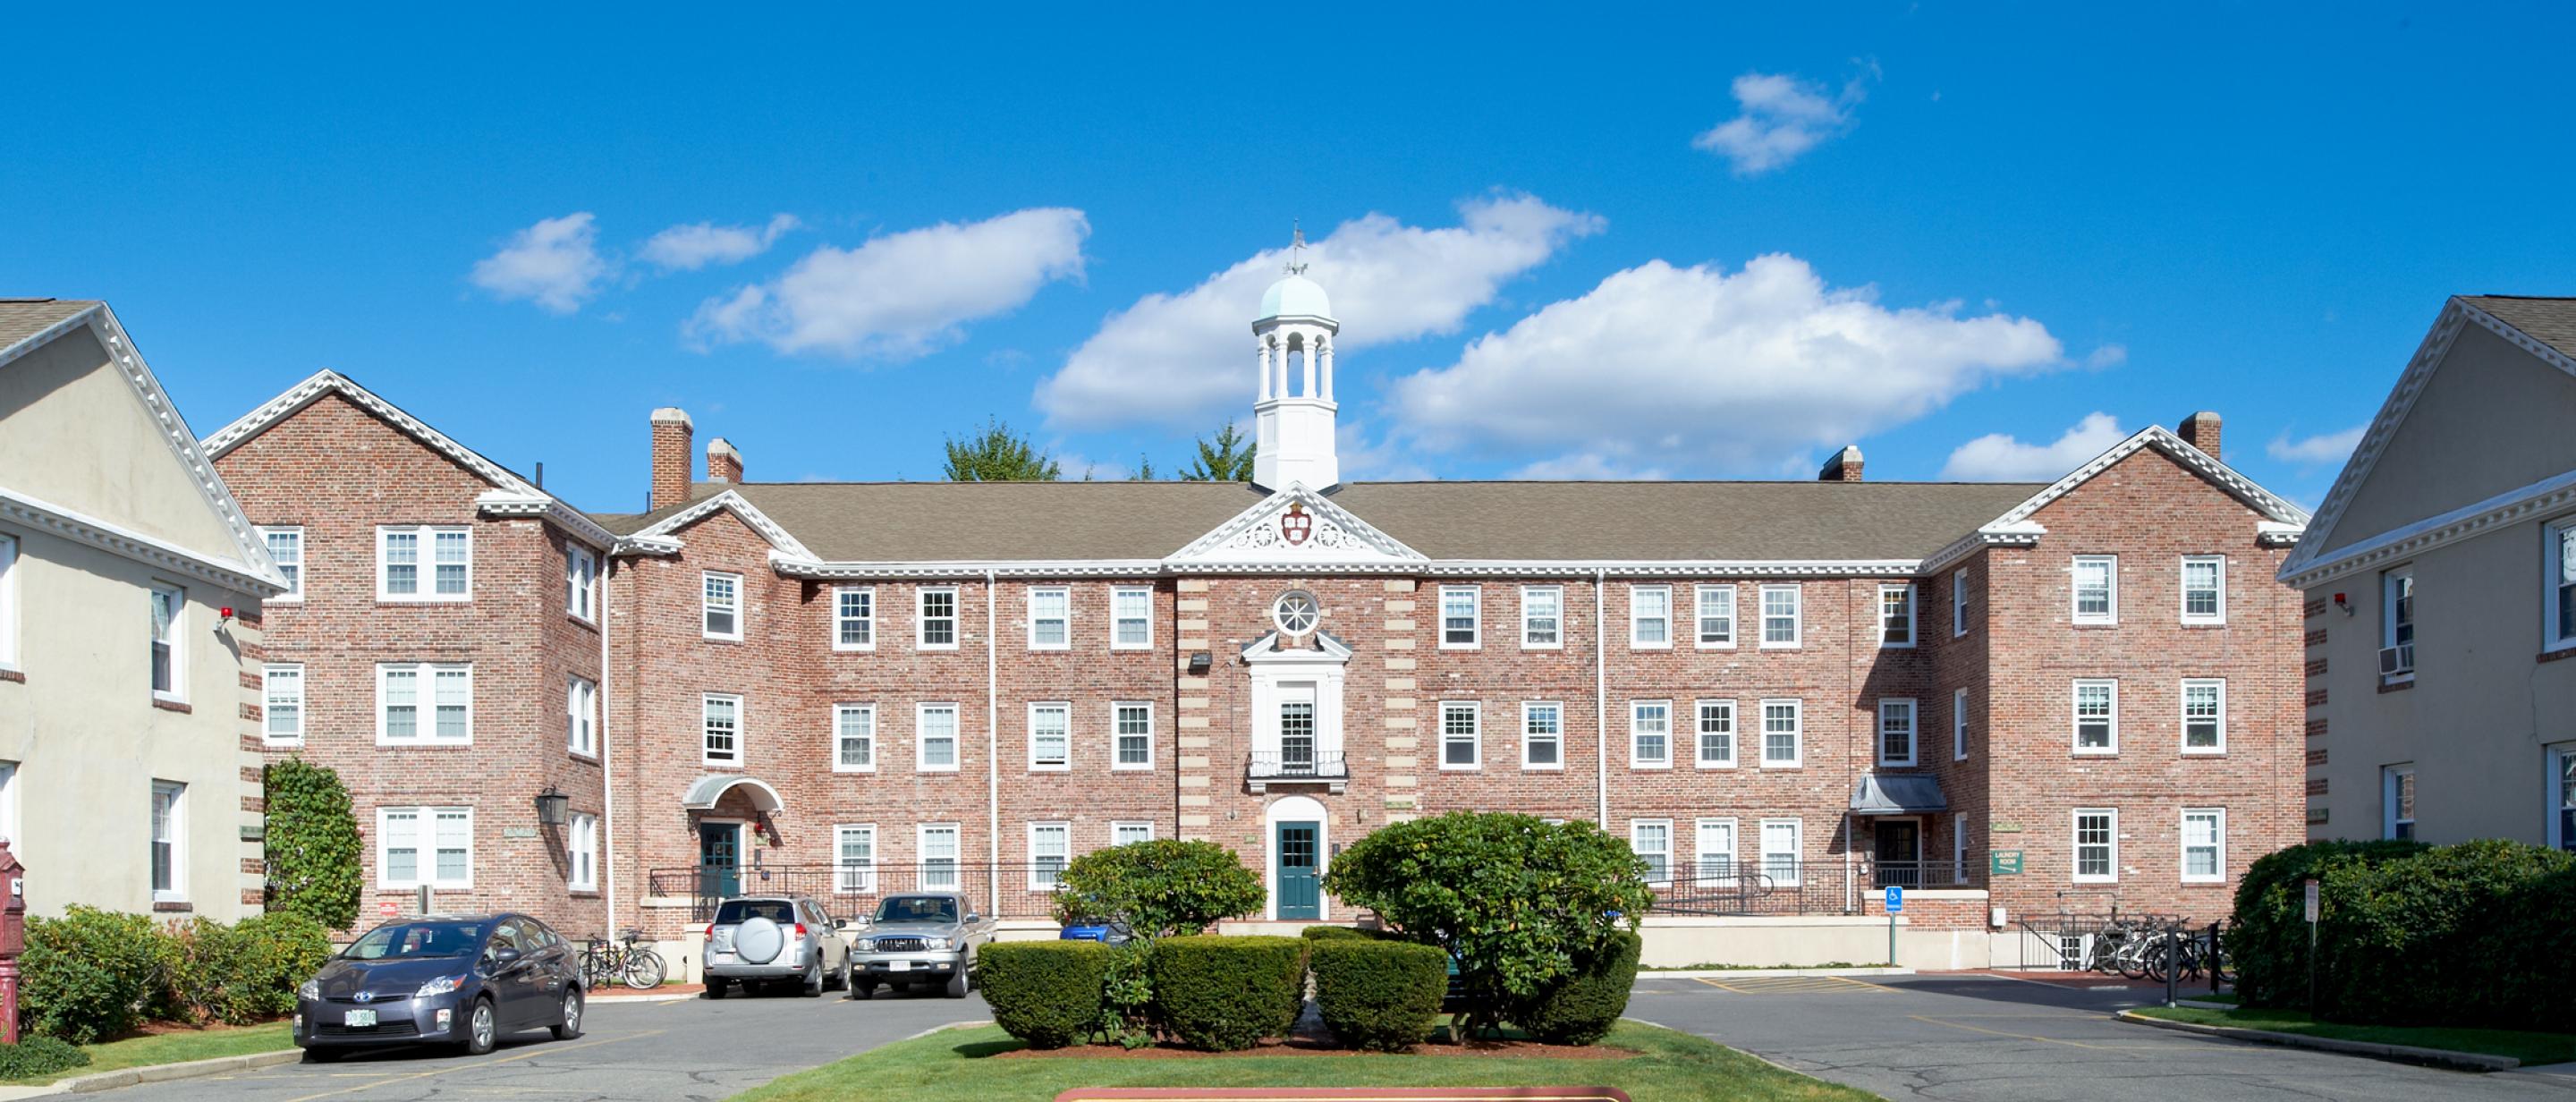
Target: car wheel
(568,1024)
(841,979)
(812,987)
(482,1028)
(715,988)
(957,984)
(862,989)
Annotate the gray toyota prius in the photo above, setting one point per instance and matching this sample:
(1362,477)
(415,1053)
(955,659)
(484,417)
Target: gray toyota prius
(460,981)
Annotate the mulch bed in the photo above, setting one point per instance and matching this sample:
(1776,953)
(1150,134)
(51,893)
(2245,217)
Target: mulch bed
(1305,1046)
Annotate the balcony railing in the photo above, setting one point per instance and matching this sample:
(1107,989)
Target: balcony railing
(1303,767)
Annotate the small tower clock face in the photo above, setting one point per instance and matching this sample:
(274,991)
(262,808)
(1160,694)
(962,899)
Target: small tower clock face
(1296,612)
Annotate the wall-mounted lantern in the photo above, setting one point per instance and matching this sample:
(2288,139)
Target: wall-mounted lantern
(553,807)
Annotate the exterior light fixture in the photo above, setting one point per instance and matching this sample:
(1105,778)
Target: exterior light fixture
(1199,664)
(553,807)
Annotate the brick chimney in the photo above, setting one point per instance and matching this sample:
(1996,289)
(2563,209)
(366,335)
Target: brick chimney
(1843,467)
(671,432)
(724,464)
(2200,430)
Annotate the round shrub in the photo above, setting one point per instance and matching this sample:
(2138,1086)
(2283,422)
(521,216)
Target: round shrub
(40,1056)
(1227,993)
(2267,939)
(1377,995)
(201,984)
(1047,993)
(89,974)
(276,952)
(1580,1009)
(1159,888)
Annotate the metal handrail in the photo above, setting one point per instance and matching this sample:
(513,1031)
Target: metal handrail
(1316,765)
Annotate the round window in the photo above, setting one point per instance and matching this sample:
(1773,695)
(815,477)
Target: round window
(1296,612)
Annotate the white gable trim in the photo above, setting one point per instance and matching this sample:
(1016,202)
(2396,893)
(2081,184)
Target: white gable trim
(2305,562)
(661,537)
(2282,522)
(1251,540)
(2477,518)
(38,515)
(1326,651)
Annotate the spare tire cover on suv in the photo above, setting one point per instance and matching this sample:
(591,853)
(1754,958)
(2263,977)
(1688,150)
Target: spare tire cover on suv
(758,941)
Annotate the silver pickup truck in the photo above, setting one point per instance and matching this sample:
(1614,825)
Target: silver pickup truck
(918,939)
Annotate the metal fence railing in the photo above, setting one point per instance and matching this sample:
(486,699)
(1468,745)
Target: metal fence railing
(1828,886)
(1026,890)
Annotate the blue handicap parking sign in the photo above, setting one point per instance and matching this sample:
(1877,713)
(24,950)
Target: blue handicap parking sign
(1895,898)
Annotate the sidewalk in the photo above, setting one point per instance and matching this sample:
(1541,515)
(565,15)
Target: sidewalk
(669,992)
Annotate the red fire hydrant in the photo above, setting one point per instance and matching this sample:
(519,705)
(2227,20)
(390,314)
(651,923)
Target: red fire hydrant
(13,938)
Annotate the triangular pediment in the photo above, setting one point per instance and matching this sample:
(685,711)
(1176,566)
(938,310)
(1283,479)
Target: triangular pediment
(1294,528)
(663,536)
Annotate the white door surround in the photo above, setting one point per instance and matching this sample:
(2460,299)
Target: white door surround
(1279,676)
(1295,809)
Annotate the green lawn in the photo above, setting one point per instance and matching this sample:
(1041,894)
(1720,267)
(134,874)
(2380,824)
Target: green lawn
(176,1048)
(2530,1048)
(950,1067)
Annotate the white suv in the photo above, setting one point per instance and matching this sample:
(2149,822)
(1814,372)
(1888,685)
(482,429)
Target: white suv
(760,939)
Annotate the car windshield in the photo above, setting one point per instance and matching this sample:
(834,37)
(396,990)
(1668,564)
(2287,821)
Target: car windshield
(734,912)
(917,908)
(417,940)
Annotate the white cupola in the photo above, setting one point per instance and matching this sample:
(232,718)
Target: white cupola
(1294,431)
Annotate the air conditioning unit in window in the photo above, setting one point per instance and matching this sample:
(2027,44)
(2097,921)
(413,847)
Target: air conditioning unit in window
(2396,660)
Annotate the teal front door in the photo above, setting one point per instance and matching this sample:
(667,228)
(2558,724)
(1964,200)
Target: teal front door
(719,860)
(1300,895)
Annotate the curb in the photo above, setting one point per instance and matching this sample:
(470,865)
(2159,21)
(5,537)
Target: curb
(945,1028)
(1764,973)
(620,1000)
(2464,1061)
(162,1073)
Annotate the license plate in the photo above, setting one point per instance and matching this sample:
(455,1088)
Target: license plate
(898,966)
(359,1019)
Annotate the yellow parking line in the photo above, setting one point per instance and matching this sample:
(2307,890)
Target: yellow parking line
(531,1054)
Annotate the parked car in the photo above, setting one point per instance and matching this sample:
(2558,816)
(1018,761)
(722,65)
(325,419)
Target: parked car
(1107,931)
(766,940)
(920,939)
(460,981)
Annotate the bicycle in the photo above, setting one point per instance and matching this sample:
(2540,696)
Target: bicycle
(604,962)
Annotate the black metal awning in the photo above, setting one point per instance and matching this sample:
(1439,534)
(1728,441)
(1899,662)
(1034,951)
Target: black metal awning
(1897,795)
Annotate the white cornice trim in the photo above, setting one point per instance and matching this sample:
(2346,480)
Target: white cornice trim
(502,503)
(46,335)
(2014,535)
(652,538)
(797,567)
(39,515)
(2476,519)
(794,567)
(2282,522)
(1326,651)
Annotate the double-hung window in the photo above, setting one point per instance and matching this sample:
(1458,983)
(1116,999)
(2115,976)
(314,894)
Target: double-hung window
(1716,734)
(581,853)
(1131,617)
(720,724)
(854,618)
(1779,616)
(2204,845)
(935,618)
(1050,737)
(2204,715)
(2097,589)
(854,858)
(403,550)
(1959,725)
(424,703)
(1783,853)
(425,845)
(1895,731)
(939,850)
(1050,850)
(1715,853)
(1542,617)
(1958,602)
(1461,735)
(1650,734)
(1126,832)
(8,602)
(169,842)
(1896,616)
(1461,617)
(1715,613)
(2097,717)
(282,704)
(1542,735)
(854,738)
(720,603)
(581,716)
(169,643)
(935,732)
(581,582)
(1650,617)
(1132,731)
(286,549)
(1652,840)
(2097,845)
(2204,589)
(1050,612)
(2558,586)
(2397,626)
(2397,801)
(1783,733)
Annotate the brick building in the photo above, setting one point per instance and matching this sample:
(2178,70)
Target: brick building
(1786,695)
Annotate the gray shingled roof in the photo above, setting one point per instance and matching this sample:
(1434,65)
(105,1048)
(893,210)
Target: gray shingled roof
(1005,521)
(21,318)
(2551,321)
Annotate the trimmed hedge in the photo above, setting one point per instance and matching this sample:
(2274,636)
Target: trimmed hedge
(1047,993)
(1581,1009)
(1224,993)
(40,1056)
(1344,933)
(1373,994)
(91,973)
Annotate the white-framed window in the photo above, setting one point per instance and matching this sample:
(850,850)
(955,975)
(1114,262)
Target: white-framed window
(1131,727)
(1462,735)
(282,703)
(2397,625)
(2397,801)
(1780,616)
(854,738)
(1716,734)
(286,549)
(1650,734)
(1461,617)
(2097,716)
(720,721)
(935,618)
(446,550)
(1652,839)
(581,716)
(1896,616)
(854,618)
(169,642)
(1050,618)
(1128,833)
(2204,715)
(1542,734)
(425,845)
(2097,845)
(939,847)
(169,842)
(1959,725)
(2204,845)
(1715,853)
(1542,617)
(1131,617)
(2204,589)
(2560,763)
(2097,589)
(935,738)
(1050,737)
(424,703)
(1714,611)
(581,853)
(2558,586)
(9,803)
(1783,851)
(1050,850)
(1959,847)
(1650,617)
(1783,733)
(1959,602)
(581,582)
(854,858)
(8,602)
(1896,731)
(720,605)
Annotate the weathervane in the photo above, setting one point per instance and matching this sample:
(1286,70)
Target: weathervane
(1296,248)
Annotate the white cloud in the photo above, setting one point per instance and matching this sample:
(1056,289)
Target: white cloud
(904,294)
(2109,355)
(1186,359)
(1781,118)
(1588,467)
(555,263)
(689,248)
(1684,368)
(2319,450)
(1997,457)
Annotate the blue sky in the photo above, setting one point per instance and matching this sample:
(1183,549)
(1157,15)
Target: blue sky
(1979,241)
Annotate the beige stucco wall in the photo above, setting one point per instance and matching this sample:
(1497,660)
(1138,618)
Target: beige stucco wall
(2492,418)
(74,434)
